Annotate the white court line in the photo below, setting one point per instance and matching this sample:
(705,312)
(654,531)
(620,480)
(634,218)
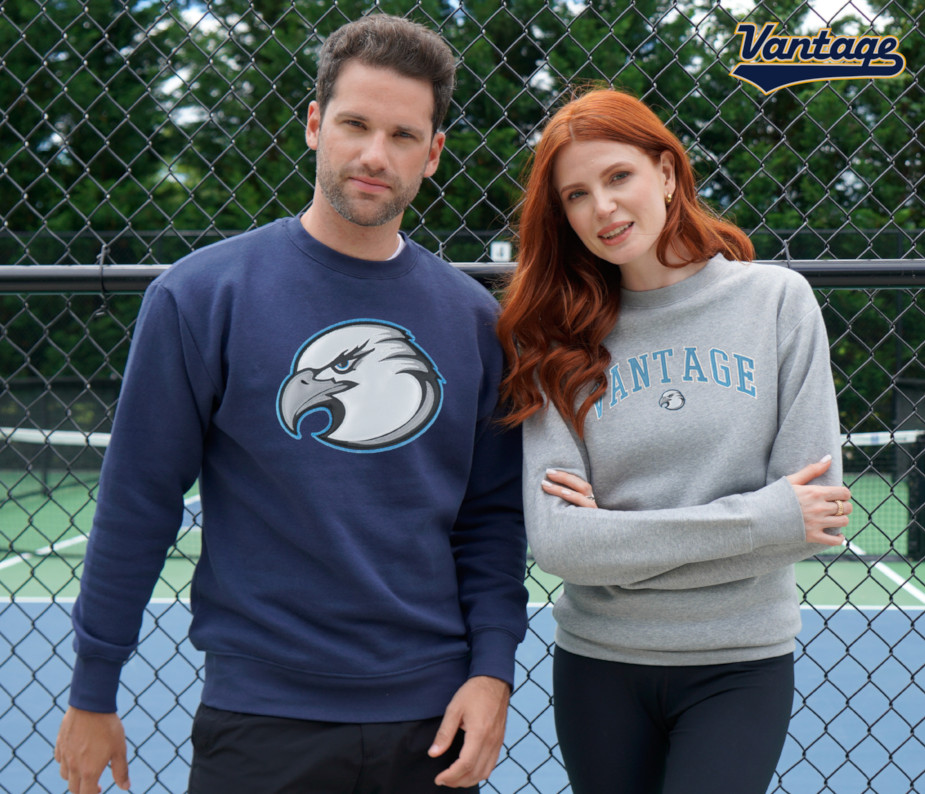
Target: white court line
(16,560)
(42,552)
(890,574)
(63,544)
(43,600)
(536,605)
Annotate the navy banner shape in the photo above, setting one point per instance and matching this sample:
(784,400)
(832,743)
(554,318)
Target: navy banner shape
(772,62)
(769,77)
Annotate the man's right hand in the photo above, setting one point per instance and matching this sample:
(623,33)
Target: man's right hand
(87,743)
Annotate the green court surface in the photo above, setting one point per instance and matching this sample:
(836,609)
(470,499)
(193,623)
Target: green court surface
(824,584)
(45,529)
(44,534)
(880,519)
(859,645)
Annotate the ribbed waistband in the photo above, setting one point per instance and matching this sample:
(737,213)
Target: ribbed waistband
(251,686)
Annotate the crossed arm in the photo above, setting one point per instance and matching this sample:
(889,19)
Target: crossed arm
(819,504)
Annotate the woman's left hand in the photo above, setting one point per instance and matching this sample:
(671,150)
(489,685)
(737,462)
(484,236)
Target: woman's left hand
(569,487)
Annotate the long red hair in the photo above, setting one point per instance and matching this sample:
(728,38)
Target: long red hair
(562,301)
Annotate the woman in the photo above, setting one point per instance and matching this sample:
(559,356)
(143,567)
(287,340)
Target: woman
(679,425)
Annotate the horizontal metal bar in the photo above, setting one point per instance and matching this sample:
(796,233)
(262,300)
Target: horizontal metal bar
(78,278)
(837,273)
(860,272)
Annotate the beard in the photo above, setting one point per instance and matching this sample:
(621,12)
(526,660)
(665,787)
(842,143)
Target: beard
(364,211)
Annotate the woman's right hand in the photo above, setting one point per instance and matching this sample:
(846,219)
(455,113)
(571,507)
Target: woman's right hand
(820,504)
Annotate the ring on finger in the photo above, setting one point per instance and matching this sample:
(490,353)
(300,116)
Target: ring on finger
(841,507)
(591,497)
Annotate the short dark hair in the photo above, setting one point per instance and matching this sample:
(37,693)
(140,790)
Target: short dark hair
(389,42)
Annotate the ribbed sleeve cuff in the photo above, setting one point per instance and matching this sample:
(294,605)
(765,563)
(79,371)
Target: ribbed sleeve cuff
(94,684)
(493,654)
(779,518)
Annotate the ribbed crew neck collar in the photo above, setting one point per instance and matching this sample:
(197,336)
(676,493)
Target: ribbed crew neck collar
(674,293)
(348,265)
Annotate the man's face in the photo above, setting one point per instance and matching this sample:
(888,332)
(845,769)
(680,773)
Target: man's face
(375,144)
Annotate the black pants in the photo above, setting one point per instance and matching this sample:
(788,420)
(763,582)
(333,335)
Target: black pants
(249,754)
(640,729)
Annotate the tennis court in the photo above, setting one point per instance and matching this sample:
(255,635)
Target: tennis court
(137,137)
(857,710)
(857,670)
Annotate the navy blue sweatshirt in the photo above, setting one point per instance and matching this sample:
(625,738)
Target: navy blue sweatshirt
(362,546)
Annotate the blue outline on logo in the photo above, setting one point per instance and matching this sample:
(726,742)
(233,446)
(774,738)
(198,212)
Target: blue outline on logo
(316,435)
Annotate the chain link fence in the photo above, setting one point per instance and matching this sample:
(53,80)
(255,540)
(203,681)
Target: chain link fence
(134,132)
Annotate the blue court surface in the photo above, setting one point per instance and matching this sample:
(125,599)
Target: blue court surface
(859,670)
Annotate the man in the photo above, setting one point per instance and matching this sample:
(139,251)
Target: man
(359,597)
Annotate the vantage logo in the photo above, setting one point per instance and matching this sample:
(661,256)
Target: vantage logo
(772,62)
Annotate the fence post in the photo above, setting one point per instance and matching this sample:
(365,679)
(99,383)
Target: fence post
(916,529)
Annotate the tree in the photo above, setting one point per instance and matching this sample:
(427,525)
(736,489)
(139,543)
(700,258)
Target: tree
(499,100)
(160,127)
(249,75)
(85,134)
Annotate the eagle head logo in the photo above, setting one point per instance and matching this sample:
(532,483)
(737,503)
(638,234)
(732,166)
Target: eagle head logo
(672,400)
(378,388)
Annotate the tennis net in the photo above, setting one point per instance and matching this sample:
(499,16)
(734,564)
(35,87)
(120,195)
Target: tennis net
(884,471)
(49,481)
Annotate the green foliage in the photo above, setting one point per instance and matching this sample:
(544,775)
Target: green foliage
(78,342)
(160,127)
(131,122)
(83,140)
(877,343)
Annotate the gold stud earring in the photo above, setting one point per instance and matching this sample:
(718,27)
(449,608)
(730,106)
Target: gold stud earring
(668,197)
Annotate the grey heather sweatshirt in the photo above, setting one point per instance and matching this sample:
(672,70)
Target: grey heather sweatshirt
(720,386)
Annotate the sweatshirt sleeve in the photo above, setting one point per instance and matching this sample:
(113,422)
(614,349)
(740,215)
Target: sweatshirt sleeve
(153,458)
(633,547)
(733,538)
(489,544)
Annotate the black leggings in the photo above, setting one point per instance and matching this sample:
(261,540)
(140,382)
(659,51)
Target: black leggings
(641,729)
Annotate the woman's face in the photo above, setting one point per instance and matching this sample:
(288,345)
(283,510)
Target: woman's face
(614,198)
